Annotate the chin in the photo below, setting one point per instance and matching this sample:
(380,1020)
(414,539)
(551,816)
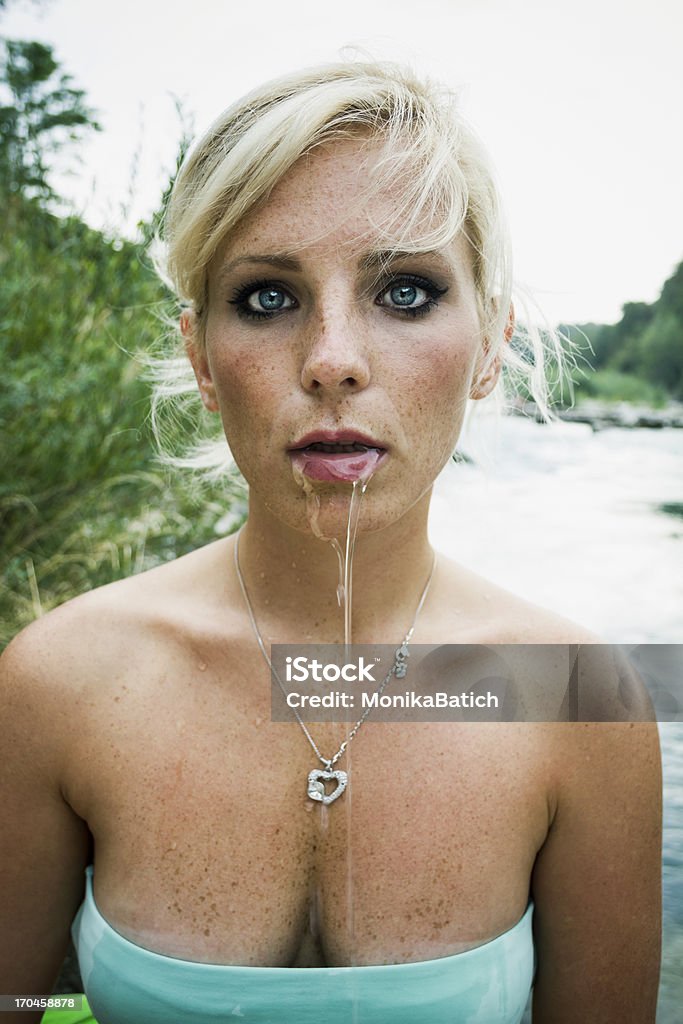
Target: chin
(377,512)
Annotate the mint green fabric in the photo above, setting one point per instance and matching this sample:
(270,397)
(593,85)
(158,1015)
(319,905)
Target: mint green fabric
(126,984)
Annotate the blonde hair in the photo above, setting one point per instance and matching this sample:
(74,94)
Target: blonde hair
(432,161)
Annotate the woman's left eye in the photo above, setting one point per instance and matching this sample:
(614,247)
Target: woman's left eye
(410,295)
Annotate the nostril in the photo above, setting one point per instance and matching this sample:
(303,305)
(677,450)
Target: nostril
(344,372)
(349,382)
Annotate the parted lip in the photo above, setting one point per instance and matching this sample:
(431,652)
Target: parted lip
(349,436)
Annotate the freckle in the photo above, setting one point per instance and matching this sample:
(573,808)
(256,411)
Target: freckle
(117,699)
(202,898)
(206,931)
(234,885)
(213,907)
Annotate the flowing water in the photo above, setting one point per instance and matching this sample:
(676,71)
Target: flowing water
(345,557)
(345,601)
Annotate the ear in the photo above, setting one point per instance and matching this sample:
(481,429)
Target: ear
(196,353)
(483,386)
(510,325)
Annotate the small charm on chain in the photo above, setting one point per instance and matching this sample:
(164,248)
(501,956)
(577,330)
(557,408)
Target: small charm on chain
(401,661)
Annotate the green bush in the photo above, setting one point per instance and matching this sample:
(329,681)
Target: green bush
(614,386)
(83,500)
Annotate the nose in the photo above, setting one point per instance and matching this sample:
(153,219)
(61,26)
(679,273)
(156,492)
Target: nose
(336,356)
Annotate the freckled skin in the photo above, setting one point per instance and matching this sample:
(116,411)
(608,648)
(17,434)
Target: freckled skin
(205,844)
(337,359)
(247,869)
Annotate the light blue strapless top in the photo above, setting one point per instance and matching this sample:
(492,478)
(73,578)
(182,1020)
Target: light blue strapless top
(127,984)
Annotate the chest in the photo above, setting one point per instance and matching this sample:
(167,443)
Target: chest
(208,848)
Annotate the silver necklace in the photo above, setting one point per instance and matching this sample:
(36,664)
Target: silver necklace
(317,777)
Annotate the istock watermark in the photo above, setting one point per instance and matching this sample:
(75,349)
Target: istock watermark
(478,683)
(303,670)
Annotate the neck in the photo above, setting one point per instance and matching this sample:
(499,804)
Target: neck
(292,579)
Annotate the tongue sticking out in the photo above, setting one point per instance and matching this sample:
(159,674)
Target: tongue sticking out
(321,462)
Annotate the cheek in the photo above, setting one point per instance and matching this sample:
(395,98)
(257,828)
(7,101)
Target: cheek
(238,379)
(237,372)
(448,370)
(439,394)
(442,379)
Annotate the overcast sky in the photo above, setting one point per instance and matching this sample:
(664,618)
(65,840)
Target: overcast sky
(579,103)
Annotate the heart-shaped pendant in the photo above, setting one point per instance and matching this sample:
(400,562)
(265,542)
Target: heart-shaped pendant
(316,787)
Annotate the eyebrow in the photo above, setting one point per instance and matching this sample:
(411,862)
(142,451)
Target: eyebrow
(383,258)
(283,260)
(377,260)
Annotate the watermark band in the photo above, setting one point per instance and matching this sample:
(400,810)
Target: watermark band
(478,683)
(70,1001)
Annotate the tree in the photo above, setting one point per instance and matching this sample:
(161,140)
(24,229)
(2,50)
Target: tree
(44,111)
(671,299)
(661,352)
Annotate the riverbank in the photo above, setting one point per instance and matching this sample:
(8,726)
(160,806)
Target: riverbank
(601,415)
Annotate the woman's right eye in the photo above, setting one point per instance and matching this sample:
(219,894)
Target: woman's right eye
(262,300)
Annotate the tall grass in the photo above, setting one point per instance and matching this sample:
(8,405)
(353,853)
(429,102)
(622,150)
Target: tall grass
(83,500)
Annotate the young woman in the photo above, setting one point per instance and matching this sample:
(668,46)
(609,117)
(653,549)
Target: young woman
(337,245)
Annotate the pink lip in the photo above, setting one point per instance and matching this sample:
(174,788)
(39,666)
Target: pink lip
(335,437)
(332,467)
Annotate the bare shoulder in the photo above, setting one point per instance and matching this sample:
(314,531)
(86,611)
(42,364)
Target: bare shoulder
(565,670)
(501,616)
(88,640)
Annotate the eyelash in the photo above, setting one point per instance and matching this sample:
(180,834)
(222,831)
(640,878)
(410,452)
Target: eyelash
(242,294)
(433,291)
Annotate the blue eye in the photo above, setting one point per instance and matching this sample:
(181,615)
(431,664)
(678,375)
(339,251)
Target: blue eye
(410,294)
(407,295)
(262,299)
(268,300)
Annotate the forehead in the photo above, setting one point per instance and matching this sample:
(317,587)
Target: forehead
(327,203)
(323,194)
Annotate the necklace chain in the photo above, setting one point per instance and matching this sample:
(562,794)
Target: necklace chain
(398,667)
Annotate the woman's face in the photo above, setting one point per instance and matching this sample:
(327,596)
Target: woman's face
(324,357)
